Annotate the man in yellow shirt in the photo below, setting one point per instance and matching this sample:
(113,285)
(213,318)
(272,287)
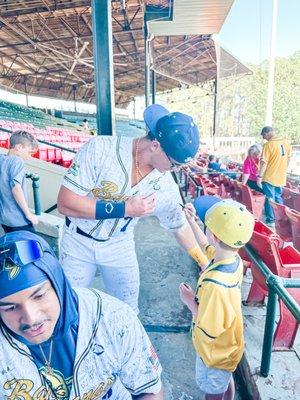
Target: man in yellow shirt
(274,163)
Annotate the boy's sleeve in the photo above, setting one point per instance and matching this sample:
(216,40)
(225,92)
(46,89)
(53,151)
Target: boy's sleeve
(17,172)
(140,369)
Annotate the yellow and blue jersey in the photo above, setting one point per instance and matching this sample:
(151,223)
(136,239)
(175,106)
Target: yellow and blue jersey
(218,329)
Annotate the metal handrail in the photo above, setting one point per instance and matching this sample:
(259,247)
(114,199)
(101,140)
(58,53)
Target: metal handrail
(277,289)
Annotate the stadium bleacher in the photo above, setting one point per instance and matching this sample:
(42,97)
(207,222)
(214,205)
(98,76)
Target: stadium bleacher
(58,131)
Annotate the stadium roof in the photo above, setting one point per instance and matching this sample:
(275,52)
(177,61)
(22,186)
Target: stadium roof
(46,46)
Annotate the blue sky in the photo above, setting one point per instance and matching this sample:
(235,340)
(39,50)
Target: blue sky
(246,32)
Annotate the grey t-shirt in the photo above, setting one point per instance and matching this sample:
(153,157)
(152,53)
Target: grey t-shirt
(12,171)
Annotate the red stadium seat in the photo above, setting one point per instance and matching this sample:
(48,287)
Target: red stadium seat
(282,222)
(67,159)
(237,191)
(296,200)
(287,197)
(51,156)
(223,193)
(294,217)
(254,201)
(42,152)
(58,156)
(210,189)
(284,262)
(4,140)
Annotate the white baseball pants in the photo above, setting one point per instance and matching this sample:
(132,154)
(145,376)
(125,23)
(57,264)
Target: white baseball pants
(116,258)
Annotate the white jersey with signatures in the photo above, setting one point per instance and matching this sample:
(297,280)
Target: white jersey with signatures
(114,357)
(102,169)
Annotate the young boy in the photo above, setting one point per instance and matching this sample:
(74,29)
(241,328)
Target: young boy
(14,212)
(217,331)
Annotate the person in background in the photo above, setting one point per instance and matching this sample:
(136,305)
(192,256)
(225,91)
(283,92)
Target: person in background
(250,168)
(217,330)
(14,210)
(213,165)
(274,161)
(85,124)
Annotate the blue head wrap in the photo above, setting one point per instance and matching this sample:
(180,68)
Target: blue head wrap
(45,268)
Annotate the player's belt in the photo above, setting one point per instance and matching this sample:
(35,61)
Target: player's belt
(81,232)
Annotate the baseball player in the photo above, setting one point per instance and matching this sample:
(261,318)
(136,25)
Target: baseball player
(112,182)
(60,343)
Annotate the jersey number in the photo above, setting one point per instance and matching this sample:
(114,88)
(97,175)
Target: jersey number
(128,220)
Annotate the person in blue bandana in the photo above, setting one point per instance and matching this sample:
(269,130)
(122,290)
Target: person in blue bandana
(62,343)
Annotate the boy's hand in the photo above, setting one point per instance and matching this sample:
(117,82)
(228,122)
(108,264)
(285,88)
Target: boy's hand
(32,218)
(190,211)
(188,298)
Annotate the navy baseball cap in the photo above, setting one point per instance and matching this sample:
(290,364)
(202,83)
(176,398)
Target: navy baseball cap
(203,203)
(176,132)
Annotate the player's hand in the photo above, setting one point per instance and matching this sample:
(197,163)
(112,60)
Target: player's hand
(32,218)
(140,206)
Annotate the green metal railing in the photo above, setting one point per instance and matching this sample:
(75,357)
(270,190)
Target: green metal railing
(277,289)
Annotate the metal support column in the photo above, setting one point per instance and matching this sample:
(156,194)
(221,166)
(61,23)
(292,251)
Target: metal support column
(26,91)
(74,98)
(147,71)
(215,108)
(153,13)
(153,85)
(103,62)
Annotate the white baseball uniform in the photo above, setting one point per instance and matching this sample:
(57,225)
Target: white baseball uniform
(114,357)
(102,170)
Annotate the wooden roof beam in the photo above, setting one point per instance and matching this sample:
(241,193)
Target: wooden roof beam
(25,36)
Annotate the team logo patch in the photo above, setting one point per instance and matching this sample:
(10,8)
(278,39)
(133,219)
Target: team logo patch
(109,208)
(11,269)
(56,382)
(74,169)
(239,243)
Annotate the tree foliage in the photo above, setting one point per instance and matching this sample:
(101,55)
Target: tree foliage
(242,101)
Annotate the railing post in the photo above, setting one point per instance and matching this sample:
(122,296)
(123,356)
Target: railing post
(269,333)
(36,192)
